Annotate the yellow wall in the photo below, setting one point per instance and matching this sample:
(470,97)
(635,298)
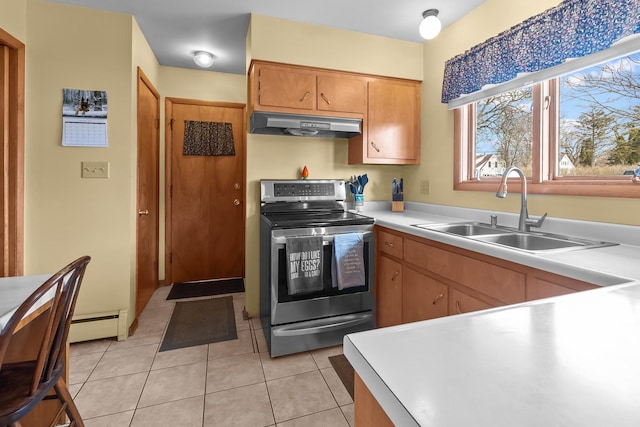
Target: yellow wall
(291,42)
(13,18)
(486,21)
(66,216)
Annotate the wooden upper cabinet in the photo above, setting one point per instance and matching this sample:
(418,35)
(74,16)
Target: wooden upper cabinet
(281,87)
(393,121)
(389,107)
(342,94)
(295,89)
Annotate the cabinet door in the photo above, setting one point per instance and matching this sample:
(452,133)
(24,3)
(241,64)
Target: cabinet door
(539,288)
(459,303)
(423,298)
(282,87)
(393,121)
(389,293)
(342,94)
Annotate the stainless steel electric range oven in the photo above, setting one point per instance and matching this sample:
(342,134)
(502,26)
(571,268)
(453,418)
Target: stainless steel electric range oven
(316,265)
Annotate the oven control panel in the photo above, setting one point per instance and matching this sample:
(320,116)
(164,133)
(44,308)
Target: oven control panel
(304,189)
(297,190)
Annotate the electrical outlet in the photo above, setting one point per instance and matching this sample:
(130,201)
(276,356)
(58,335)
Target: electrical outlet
(95,169)
(424,187)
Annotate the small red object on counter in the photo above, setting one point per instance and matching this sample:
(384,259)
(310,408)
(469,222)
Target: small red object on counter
(305,173)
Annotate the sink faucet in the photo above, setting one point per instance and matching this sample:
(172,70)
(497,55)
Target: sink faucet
(524,221)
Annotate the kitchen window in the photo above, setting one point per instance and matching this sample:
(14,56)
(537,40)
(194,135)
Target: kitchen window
(578,134)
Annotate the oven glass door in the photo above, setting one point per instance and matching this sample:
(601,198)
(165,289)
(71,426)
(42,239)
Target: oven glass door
(328,289)
(279,282)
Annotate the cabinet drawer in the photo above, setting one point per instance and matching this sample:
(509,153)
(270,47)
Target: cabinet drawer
(460,303)
(390,244)
(497,282)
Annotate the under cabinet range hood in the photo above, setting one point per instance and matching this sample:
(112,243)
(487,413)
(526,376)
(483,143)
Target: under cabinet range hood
(304,125)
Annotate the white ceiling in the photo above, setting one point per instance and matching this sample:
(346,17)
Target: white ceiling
(175,29)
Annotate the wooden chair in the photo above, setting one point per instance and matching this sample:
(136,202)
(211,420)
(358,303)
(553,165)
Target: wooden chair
(24,384)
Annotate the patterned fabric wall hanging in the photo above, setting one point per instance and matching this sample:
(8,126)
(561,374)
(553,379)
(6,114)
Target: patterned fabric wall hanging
(573,29)
(208,139)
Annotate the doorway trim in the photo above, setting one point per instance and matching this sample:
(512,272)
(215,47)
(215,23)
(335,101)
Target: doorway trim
(12,119)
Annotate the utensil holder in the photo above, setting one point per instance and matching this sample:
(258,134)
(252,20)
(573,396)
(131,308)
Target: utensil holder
(359,202)
(397,206)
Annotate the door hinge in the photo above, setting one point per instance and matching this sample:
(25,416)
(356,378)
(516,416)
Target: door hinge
(157,123)
(171,122)
(170,258)
(170,191)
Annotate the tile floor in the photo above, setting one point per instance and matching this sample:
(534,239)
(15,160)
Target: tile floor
(230,383)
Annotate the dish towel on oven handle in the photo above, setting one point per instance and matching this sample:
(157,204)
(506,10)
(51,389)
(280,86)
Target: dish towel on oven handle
(304,264)
(347,268)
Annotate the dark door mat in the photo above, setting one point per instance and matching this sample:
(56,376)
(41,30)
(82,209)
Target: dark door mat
(207,288)
(344,370)
(200,322)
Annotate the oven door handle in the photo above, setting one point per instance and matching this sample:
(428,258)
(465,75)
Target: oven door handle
(327,239)
(323,325)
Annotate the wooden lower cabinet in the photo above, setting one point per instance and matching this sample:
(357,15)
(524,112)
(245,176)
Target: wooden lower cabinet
(419,279)
(423,297)
(389,291)
(367,410)
(460,303)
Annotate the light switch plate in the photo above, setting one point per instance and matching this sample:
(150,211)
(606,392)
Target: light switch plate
(424,187)
(95,169)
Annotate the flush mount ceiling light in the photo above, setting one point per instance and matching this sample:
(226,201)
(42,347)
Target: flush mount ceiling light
(203,59)
(430,25)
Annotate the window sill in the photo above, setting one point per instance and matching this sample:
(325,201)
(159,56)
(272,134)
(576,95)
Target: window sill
(600,188)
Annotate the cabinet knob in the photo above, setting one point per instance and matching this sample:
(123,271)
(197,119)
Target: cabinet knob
(307,93)
(236,186)
(389,244)
(143,212)
(325,99)
(395,276)
(373,144)
(236,202)
(458,307)
(438,298)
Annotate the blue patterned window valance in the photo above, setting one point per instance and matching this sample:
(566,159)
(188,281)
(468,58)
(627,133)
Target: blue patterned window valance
(573,29)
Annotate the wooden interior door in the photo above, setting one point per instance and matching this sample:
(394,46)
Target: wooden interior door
(148,204)
(205,196)
(12,75)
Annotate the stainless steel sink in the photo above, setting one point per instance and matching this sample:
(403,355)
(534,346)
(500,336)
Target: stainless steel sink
(535,242)
(467,229)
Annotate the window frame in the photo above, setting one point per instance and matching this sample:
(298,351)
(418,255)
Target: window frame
(545,178)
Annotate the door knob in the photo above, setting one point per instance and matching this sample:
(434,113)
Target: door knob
(143,212)
(236,202)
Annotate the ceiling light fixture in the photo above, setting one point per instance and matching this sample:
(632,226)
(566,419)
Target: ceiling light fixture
(203,59)
(430,25)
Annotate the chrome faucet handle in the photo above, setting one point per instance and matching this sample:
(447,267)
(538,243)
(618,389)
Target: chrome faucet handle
(494,221)
(536,222)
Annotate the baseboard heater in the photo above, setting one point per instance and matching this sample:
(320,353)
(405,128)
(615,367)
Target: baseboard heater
(86,327)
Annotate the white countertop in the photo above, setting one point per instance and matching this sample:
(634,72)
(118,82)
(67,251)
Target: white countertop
(601,266)
(566,361)
(13,292)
